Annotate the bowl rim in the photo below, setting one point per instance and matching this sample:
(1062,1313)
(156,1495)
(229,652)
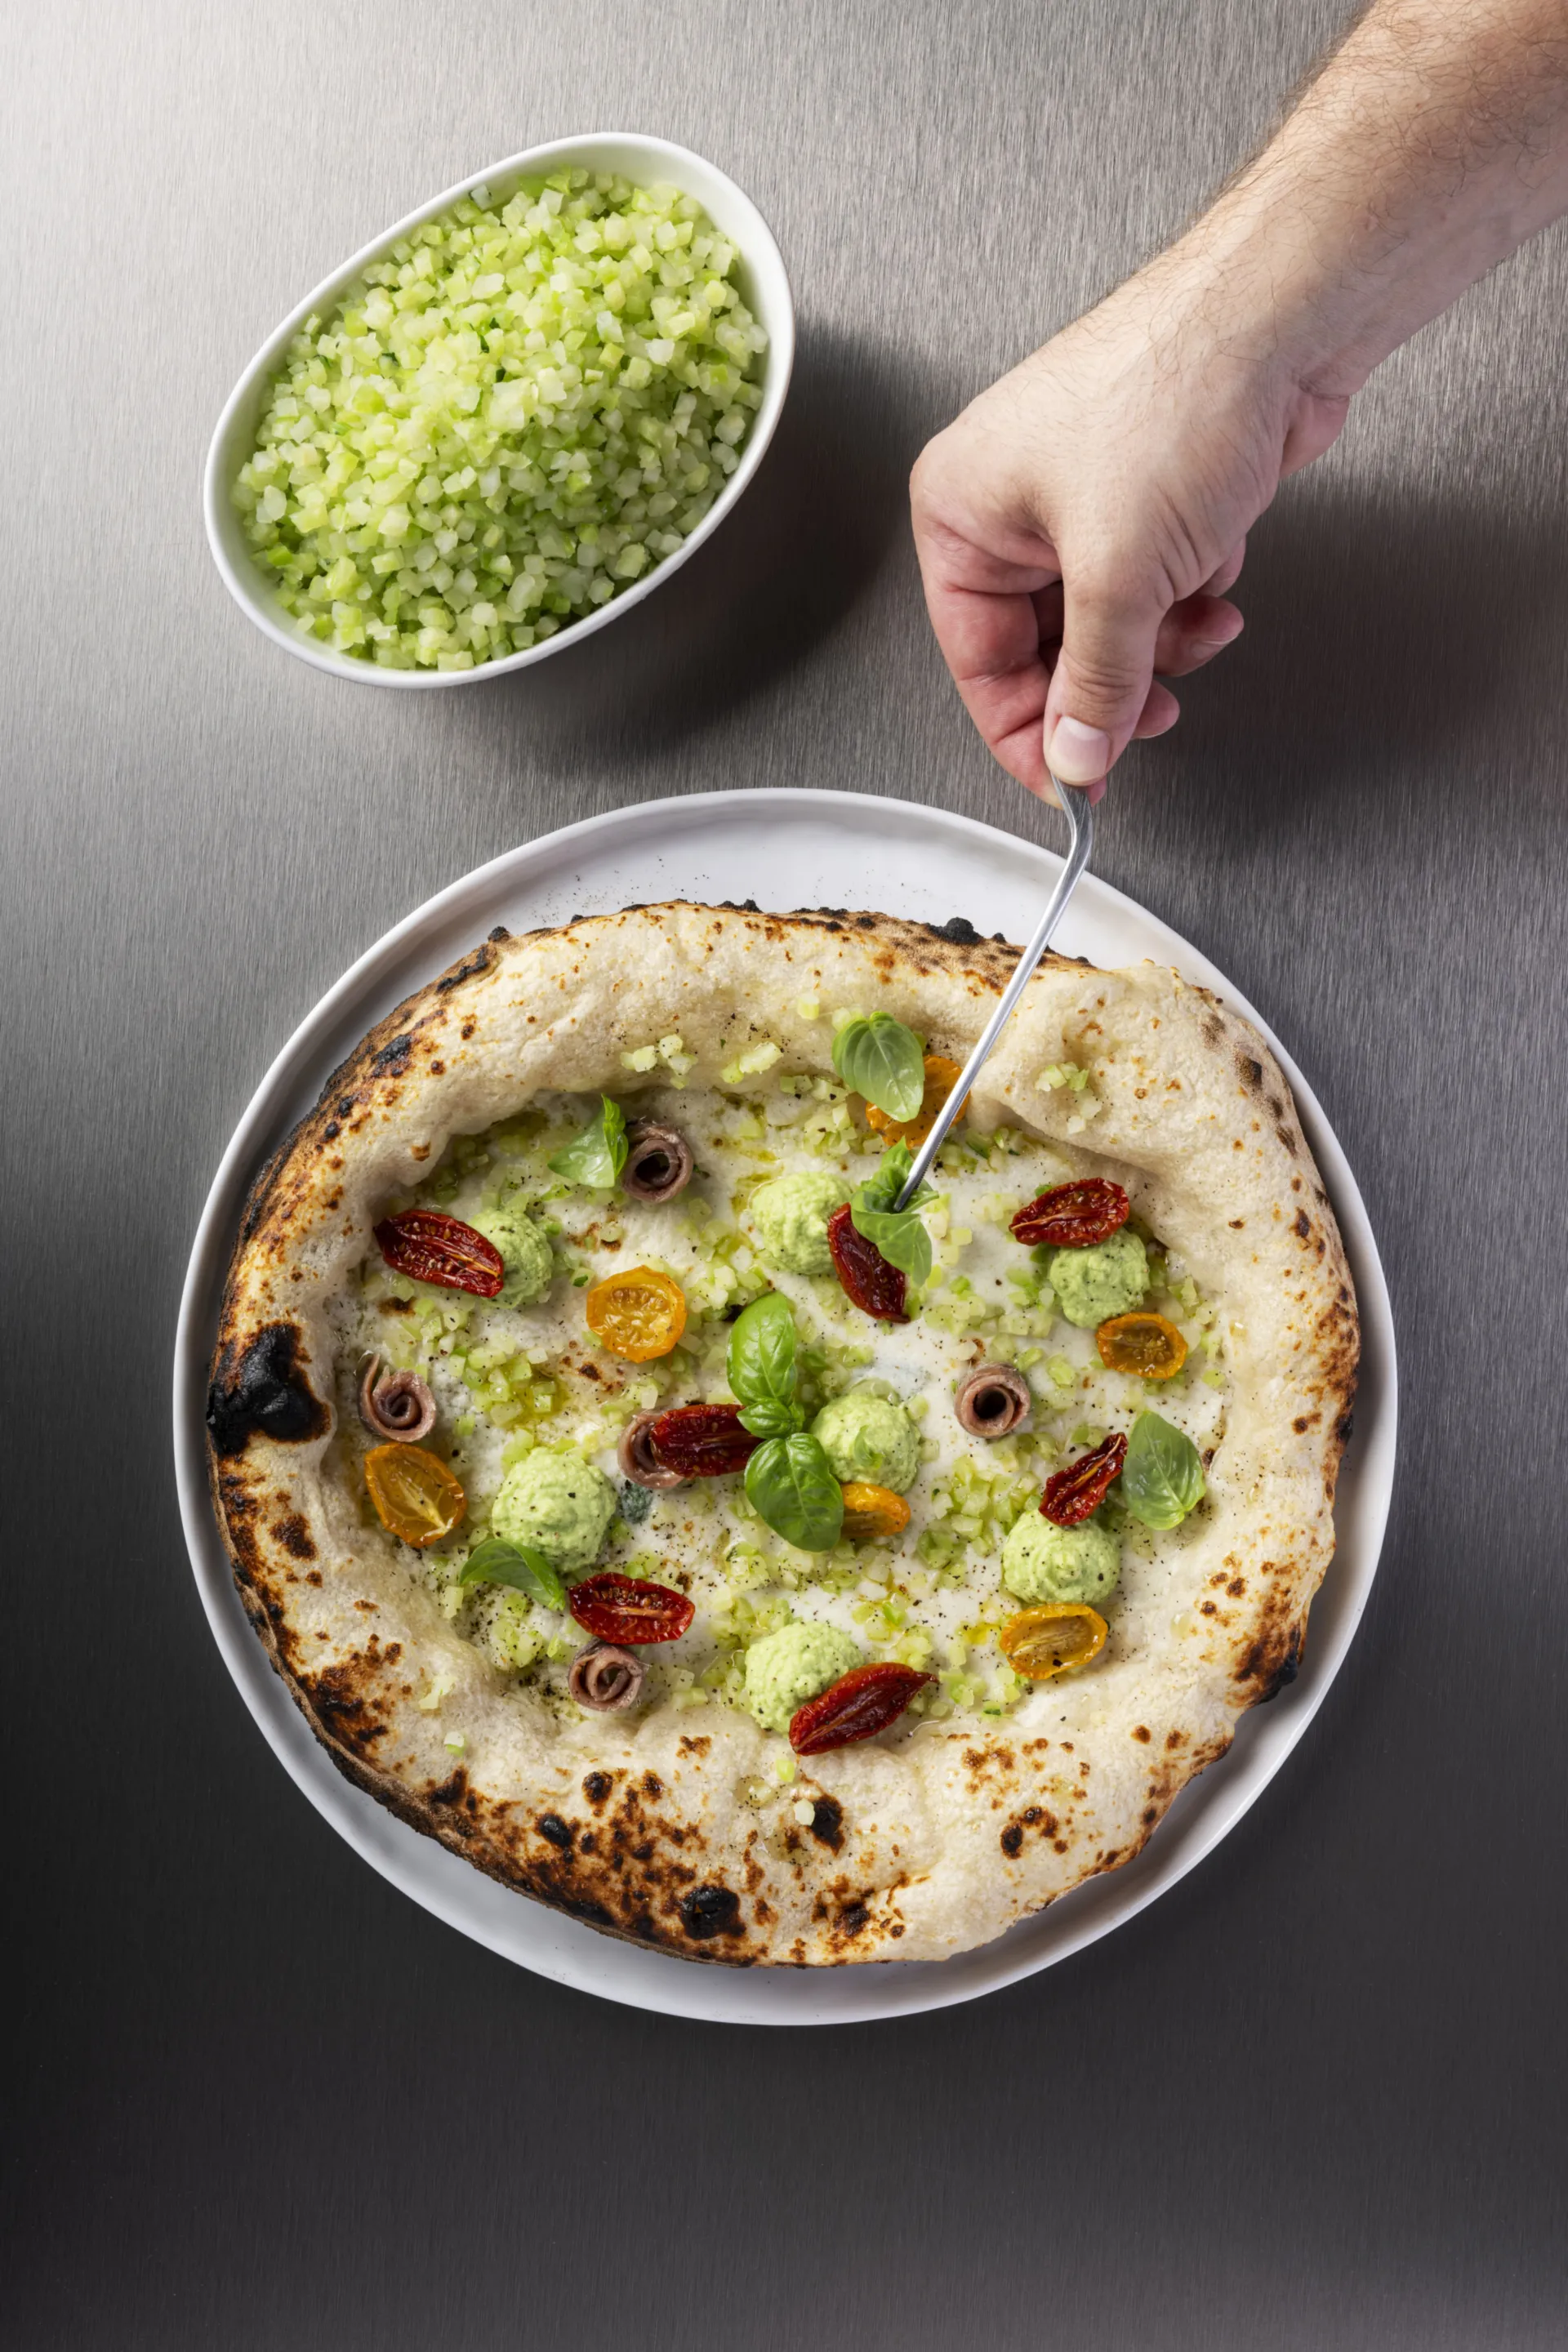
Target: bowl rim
(772,300)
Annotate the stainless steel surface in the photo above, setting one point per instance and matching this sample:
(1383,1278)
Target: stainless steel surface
(1079,810)
(1313,2098)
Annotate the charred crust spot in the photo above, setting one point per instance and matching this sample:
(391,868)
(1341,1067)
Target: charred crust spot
(345,1106)
(499,932)
(1012,1839)
(260,1389)
(331,1132)
(1251,1073)
(467,1029)
(596,1787)
(1142,1731)
(854,1917)
(294,1536)
(338,1703)
(1303,1225)
(393,1058)
(470,969)
(652,1785)
(552,1826)
(695,1746)
(453,1790)
(710,1911)
(827,1824)
(1286,1138)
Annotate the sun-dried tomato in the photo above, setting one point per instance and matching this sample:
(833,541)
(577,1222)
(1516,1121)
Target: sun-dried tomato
(430,1248)
(940,1076)
(636,1314)
(872,1513)
(416,1497)
(1146,1345)
(856,1706)
(626,1609)
(1074,1216)
(1076,1493)
(702,1441)
(869,1282)
(1041,1642)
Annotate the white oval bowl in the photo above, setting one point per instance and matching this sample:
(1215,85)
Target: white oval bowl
(646,161)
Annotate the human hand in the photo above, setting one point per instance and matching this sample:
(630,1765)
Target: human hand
(1078,524)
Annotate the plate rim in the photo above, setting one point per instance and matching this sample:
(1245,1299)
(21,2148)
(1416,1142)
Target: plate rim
(566,1950)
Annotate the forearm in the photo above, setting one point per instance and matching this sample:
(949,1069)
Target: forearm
(1432,143)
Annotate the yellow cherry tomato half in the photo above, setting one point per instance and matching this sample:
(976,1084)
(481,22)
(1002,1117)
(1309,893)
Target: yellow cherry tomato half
(636,1314)
(416,1497)
(942,1077)
(1040,1643)
(1145,1345)
(872,1513)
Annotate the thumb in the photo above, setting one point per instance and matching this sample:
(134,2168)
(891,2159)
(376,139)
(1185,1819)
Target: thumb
(1102,679)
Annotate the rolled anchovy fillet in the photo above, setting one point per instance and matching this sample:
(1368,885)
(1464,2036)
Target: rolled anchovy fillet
(638,1461)
(605,1678)
(992,1401)
(396,1405)
(659,1161)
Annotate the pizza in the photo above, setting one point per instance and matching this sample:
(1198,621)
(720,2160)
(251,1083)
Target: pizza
(637,1497)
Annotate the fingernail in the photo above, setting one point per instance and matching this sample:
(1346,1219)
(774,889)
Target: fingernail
(1079,754)
(1221,633)
(1097,793)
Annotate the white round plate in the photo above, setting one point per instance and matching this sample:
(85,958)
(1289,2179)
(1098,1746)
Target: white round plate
(787,849)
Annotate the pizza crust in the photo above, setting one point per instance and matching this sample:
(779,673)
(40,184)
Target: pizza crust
(941,1835)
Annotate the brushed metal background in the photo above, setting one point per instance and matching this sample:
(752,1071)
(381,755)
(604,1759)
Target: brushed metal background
(1315,2097)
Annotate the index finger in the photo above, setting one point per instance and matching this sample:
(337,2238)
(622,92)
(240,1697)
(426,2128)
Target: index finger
(983,614)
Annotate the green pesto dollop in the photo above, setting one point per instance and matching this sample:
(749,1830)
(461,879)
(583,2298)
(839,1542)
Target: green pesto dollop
(790,1216)
(525,1252)
(866,1437)
(559,1505)
(1108,1278)
(1041,1563)
(786,1668)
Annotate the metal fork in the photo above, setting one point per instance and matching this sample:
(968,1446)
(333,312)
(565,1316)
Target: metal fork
(1079,811)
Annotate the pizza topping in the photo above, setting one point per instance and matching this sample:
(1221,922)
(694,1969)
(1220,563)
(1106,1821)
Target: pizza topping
(1042,1562)
(860,1704)
(872,1513)
(1073,1216)
(636,1460)
(789,1217)
(416,1497)
(530,1267)
(556,1503)
(867,1435)
(702,1441)
(517,1566)
(879,1059)
(430,1247)
(1104,1279)
(992,1401)
(1040,1643)
(659,1161)
(636,1314)
(605,1678)
(627,1609)
(1145,1345)
(869,1282)
(1076,1492)
(895,1230)
(394,1404)
(597,1154)
(786,1668)
(940,1076)
(792,1487)
(1163,1476)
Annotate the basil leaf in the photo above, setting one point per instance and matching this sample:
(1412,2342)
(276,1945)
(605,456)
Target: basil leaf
(1163,1477)
(496,1561)
(789,1484)
(883,1060)
(881,1190)
(771,1418)
(760,1363)
(898,1234)
(598,1155)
